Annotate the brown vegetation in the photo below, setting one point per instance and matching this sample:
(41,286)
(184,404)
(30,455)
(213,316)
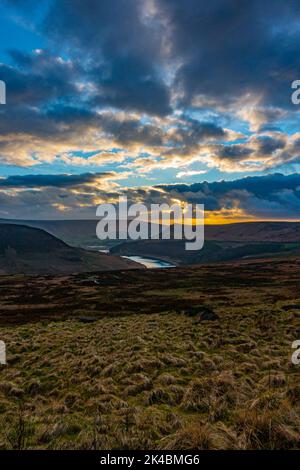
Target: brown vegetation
(145,374)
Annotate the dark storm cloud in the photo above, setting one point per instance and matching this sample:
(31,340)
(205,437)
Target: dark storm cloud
(58,181)
(36,79)
(222,49)
(33,121)
(267,144)
(129,84)
(266,196)
(191,132)
(185,132)
(236,152)
(121,51)
(259,185)
(229,48)
(128,131)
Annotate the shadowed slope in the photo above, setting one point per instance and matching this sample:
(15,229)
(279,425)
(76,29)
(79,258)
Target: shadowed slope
(27,250)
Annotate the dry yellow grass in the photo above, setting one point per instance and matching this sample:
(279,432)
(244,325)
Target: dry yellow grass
(159,380)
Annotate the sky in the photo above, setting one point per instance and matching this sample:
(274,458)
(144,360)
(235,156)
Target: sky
(161,100)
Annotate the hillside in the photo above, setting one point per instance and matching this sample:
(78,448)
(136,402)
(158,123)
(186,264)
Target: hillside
(27,250)
(286,232)
(73,232)
(147,372)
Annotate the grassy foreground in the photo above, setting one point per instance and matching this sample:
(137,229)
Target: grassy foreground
(145,374)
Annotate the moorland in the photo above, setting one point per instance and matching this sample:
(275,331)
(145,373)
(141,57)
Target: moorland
(127,360)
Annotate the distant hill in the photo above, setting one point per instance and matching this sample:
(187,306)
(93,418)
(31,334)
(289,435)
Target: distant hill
(28,250)
(288,232)
(223,243)
(83,232)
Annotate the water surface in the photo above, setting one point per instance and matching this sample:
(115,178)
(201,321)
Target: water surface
(150,262)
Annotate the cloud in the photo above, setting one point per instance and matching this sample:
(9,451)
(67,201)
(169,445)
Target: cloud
(57,181)
(39,77)
(167,83)
(181,174)
(30,135)
(229,49)
(259,152)
(122,44)
(57,196)
(143,53)
(268,197)
(272,197)
(260,117)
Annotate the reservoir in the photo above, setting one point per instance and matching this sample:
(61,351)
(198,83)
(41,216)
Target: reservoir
(150,262)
